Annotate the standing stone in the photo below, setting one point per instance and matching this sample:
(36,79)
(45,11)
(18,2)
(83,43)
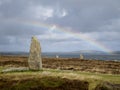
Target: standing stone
(57,56)
(81,56)
(35,60)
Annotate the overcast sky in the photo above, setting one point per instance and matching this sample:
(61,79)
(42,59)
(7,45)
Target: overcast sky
(95,19)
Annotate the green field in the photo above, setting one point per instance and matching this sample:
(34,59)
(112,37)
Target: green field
(44,76)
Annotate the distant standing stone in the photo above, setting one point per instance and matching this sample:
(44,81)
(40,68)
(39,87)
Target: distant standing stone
(81,56)
(35,59)
(57,56)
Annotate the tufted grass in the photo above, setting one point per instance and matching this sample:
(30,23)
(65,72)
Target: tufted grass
(93,78)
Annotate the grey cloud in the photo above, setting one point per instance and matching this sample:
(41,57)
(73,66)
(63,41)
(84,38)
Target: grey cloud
(89,16)
(105,36)
(4,40)
(12,28)
(12,9)
(61,40)
(85,16)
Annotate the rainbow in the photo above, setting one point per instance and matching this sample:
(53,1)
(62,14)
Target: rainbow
(89,40)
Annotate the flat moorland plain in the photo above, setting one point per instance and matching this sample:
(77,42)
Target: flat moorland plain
(75,64)
(58,74)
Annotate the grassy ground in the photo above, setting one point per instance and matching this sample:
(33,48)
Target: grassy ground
(58,73)
(93,78)
(56,78)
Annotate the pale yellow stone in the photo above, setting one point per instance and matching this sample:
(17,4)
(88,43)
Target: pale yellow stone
(81,56)
(35,59)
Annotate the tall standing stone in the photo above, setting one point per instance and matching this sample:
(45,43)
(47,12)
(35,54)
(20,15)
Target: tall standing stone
(35,59)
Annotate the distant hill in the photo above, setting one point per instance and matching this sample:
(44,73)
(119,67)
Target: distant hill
(14,53)
(89,52)
(116,52)
(78,52)
(92,52)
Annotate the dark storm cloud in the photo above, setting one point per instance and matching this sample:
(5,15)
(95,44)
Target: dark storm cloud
(99,19)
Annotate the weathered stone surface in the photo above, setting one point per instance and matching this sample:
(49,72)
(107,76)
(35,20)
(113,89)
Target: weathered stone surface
(81,56)
(12,69)
(35,60)
(107,86)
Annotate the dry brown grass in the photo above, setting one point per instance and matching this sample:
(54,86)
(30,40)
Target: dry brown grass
(98,66)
